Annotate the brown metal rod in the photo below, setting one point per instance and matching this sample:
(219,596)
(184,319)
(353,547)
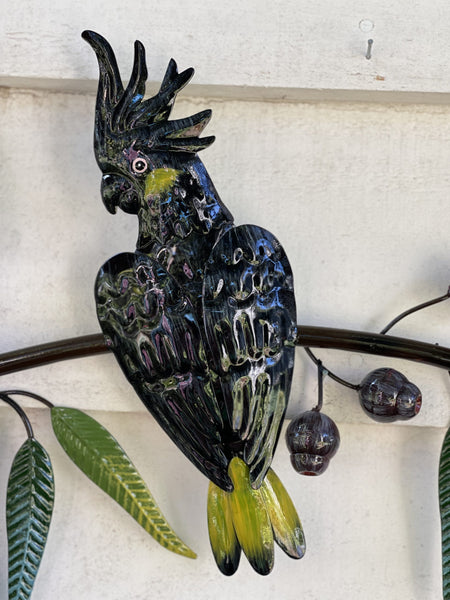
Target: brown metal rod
(20,412)
(315,337)
(374,343)
(44,354)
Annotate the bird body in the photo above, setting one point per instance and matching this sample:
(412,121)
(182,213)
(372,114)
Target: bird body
(202,316)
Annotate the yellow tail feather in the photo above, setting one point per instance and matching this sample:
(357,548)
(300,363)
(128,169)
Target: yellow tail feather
(224,543)
(251,519)
(286,525)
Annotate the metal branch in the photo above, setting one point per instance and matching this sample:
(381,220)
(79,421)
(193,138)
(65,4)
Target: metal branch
(330,374)
(389,326)
(47,403)
(44,354)
(374,343)
(414,309)
(314,337)
(20,412)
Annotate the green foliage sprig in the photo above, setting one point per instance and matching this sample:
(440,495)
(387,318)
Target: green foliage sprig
(30,493)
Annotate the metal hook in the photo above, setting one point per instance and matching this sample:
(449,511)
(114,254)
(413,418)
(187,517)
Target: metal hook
(369,49)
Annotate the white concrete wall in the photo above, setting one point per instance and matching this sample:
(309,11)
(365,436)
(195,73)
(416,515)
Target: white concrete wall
(358,194)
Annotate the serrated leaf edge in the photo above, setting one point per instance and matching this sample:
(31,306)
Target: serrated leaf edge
(29,508)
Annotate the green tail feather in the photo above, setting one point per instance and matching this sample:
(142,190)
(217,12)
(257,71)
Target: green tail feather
(251,519)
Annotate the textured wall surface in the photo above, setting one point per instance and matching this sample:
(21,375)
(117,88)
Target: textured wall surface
(358,194)
(285,47)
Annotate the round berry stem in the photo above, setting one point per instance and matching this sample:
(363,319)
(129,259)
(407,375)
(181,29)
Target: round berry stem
(321,373)
(330,374)
(382,333)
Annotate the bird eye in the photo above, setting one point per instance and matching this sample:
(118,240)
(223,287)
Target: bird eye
(139,165)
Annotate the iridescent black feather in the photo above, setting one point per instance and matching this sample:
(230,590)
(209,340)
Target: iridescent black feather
(202,317)
(122,113)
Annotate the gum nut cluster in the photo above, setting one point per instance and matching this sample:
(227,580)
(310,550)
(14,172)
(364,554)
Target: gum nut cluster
(312,439)
(387,395)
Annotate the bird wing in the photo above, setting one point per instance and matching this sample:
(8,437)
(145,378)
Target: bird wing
(150,325)
(250,328)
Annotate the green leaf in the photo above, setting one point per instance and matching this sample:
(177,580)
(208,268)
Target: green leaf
(98,454)
(444,505)
(29,507)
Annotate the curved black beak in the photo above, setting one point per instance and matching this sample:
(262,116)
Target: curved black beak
(119,192)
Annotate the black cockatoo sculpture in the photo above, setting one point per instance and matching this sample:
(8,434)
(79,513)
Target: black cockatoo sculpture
(201,317)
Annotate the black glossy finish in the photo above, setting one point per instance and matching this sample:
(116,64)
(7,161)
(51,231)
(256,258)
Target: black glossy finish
(202,317)
(312,439)
(386,395)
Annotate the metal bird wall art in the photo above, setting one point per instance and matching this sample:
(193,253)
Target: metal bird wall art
(202,317)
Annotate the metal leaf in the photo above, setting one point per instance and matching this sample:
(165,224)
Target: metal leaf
(98,454)
(29,507)
(444,505)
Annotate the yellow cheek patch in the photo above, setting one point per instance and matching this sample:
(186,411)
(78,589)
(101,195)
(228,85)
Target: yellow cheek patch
(160,181)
